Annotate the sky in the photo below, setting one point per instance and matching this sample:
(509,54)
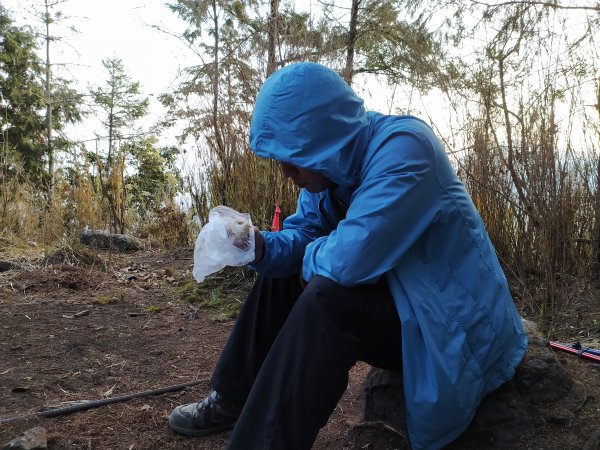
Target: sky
(112,28)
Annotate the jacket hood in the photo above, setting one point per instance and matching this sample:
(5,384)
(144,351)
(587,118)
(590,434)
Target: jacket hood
(307,115)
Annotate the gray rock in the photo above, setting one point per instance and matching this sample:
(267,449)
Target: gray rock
(32,439)
(383,395)
(540,375)
(5,266)
(541,392)
(104,240)
(593,443)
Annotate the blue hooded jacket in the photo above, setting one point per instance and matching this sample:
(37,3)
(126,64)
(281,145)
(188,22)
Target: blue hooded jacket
(410,220)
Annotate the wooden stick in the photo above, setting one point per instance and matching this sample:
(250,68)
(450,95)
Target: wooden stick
(100,402)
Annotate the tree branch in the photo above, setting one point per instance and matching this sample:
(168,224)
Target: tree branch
(537,3)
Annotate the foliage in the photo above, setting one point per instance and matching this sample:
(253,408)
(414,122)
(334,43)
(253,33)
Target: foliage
(120,101)
(66,110)
(128,180)
(216,100)
(382,38)
(156,177)
(168,227)
(22,93)
(530,167)
(24,98)
(84,208)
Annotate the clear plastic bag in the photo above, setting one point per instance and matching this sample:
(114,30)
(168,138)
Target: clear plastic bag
(226,240)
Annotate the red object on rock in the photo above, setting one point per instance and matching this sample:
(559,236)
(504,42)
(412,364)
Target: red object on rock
(275,225)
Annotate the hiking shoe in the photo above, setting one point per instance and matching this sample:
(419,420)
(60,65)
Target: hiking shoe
(208,416)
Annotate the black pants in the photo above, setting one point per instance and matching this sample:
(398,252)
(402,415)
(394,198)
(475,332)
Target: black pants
(288,356)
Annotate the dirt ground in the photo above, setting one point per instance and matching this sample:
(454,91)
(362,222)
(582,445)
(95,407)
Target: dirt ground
(101,328)
(73,332)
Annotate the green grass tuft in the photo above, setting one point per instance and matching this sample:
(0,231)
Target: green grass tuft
(105,300)
(223,292)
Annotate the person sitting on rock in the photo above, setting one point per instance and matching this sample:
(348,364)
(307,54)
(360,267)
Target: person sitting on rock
(385,260)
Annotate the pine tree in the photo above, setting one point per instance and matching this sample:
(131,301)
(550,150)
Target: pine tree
(122,104)
(22,90)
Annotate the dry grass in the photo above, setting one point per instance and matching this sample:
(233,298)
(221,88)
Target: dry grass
(540,202)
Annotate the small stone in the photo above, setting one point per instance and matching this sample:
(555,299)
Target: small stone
(20,389)
(563,419)
(530,327)
(32,439)
(593,443)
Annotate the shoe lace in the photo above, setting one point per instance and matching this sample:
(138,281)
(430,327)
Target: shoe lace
(210,402)
(213,407)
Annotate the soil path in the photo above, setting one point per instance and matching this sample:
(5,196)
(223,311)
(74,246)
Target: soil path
(114,325)
(84,332)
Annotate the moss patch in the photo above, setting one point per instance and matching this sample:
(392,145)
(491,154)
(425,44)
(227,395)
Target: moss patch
(223,293)
(106,299)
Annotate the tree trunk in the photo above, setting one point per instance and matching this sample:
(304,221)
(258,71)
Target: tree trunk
(596,235)
(596,238)
(215,75)
(273,33)
(216,123)
(50,148)
(352,33)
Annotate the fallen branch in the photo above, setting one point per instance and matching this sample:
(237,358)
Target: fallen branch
(101,402)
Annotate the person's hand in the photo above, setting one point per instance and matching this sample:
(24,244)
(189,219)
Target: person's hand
(241,242)
(240,231)
(259,244)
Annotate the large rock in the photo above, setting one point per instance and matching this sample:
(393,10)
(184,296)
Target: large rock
(32,439)
(541,392)
(104,240)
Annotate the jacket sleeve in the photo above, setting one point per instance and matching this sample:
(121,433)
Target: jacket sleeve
(396,201)
(284,249)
